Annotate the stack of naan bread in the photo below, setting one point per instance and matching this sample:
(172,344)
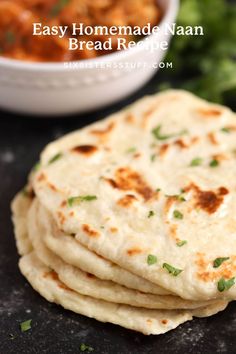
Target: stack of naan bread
(132,220)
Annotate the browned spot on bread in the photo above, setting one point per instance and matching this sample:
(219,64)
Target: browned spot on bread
(126,201)
(61,217)
(52,187)
(173,231)
(149,321)
(104,131)
(180,143)
(85,149)
(164,149)
(54,276)
(207,273)
(137,155)
(41,177)
(113,230)
(209,112)
(133,251)
(89,231)
(164,322)
(220,157)
(71,213)
(209,201)
(63,204)
(170,200)
(128,179)
(129,118)
(212,138)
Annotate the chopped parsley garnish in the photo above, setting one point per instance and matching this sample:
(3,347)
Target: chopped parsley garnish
(178,215)
(158,189)
(225,130)
(86,348)
(159,136)
(151,259)
(153,157)
(36,166)
(196,162)
(55,158)
(77,200)
(214,163)
(181,243)
(58,7)
(223,284)
(172,270)
(218,261)
(131,150)
(25,326)
(151,213)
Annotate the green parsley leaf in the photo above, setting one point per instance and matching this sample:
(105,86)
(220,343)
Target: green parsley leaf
(131,150)
(151,213)
(214,163)
(153,157)
(86,348)
(223,284)
(158,189)
(151,259)
(25,326)
(157,133)
(181,243)
(196,162)
(77,200)
(178,215)
(225,130)
(36,166)
(218,261)
(172,270)
(55,158)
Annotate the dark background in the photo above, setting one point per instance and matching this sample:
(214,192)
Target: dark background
(55,330)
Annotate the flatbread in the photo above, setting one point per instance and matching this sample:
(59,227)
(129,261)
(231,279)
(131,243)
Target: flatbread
(136,163)
(146,321)
(86,284)
(73,253)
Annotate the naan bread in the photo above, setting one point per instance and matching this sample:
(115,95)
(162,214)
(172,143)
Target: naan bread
(146,321)
(162,171)
(86,284)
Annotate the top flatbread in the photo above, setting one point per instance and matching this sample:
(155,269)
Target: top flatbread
(163,171)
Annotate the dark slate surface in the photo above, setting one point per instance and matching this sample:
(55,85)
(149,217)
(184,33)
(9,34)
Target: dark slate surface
(55,330)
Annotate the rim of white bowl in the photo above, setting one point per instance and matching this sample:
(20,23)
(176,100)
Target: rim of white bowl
(171,12)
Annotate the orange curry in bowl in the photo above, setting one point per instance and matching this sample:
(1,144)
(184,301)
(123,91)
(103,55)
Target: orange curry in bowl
(17,18)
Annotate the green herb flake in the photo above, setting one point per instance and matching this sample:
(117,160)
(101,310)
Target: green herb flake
(151,213)
(172,270)
(153,157)
(225,130)
(223,284)
(151,259)
(159,136)
(196,162)
(158,189)
(55,158)
(218,261)
(86,348)
(25,326)
(79,199)
(131,150)
(214,163)
(181,243)
(36,166)
(178,215)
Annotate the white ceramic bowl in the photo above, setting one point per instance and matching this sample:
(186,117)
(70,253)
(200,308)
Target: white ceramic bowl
(53,89)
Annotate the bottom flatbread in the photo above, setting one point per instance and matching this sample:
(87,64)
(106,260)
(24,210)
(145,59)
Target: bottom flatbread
(146,321)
